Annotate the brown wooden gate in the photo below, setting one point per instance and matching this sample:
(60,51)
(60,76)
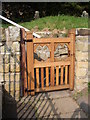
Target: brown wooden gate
(53,73)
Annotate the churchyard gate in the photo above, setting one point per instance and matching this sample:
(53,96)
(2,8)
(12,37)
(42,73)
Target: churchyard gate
(47,64)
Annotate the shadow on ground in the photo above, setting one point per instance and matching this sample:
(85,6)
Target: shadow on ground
(38,106)
(79,114)
(42,105)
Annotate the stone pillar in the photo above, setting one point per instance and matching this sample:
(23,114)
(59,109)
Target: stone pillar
(81,61)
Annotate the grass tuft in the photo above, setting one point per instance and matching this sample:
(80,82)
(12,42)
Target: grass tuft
(55,22)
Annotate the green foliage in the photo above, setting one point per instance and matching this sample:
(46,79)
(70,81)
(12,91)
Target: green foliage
(56,22)
(59,22)
(23,12)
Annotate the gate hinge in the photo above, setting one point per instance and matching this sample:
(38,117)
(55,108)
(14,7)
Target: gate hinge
(28,40)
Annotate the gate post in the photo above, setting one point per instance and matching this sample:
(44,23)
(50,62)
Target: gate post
(23,63)
(72,58)
(30,63)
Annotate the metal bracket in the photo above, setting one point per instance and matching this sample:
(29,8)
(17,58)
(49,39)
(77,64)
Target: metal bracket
(29,40)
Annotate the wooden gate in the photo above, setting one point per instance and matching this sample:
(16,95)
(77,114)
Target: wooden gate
(52,72)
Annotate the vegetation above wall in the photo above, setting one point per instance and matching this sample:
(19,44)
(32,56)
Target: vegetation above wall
(55,22)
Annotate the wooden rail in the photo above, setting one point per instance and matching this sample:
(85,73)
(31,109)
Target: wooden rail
(49,40)
(49,64)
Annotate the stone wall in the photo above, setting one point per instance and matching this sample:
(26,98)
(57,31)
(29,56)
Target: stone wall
(10,60)
(81,60)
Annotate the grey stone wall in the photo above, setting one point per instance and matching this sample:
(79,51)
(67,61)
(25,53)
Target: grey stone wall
(10,60)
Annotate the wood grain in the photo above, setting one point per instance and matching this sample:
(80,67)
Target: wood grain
(61,75)
(37,77)
(57,75)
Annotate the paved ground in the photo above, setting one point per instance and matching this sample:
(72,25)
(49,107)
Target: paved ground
(49,105)
(58,104)
(83,100)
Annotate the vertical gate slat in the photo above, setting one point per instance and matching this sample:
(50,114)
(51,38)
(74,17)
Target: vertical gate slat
(61,75)
(37,77)
(66,74)
(42,77)
(57,75)
(52,67)
(30,63)
(47,77)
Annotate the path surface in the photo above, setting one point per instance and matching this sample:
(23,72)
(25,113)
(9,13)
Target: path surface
(57,104)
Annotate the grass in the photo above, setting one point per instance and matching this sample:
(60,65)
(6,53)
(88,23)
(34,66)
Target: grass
(55,22)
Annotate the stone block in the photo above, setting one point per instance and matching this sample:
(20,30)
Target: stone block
(2,34)
(14,33)
(89,72)
(15,67)
(84,32)
(17,95)
(81,46)
(6,58)
(4,68)
(7,86)
(1,77)
(89,56)
(89,47)
(2,49)
(81,65)
(16,46)
(78,114)
(89,66)
(58,94)
(5,49)
(1,58)
(12,77)
(80,84)
(11,86)
(15,58)
(81,72)
(61,105)
(85,80)
(82,38)
(17,86)
(81,56)
(47,109)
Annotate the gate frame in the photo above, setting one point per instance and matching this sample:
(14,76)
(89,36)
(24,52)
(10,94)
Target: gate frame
(27,67)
